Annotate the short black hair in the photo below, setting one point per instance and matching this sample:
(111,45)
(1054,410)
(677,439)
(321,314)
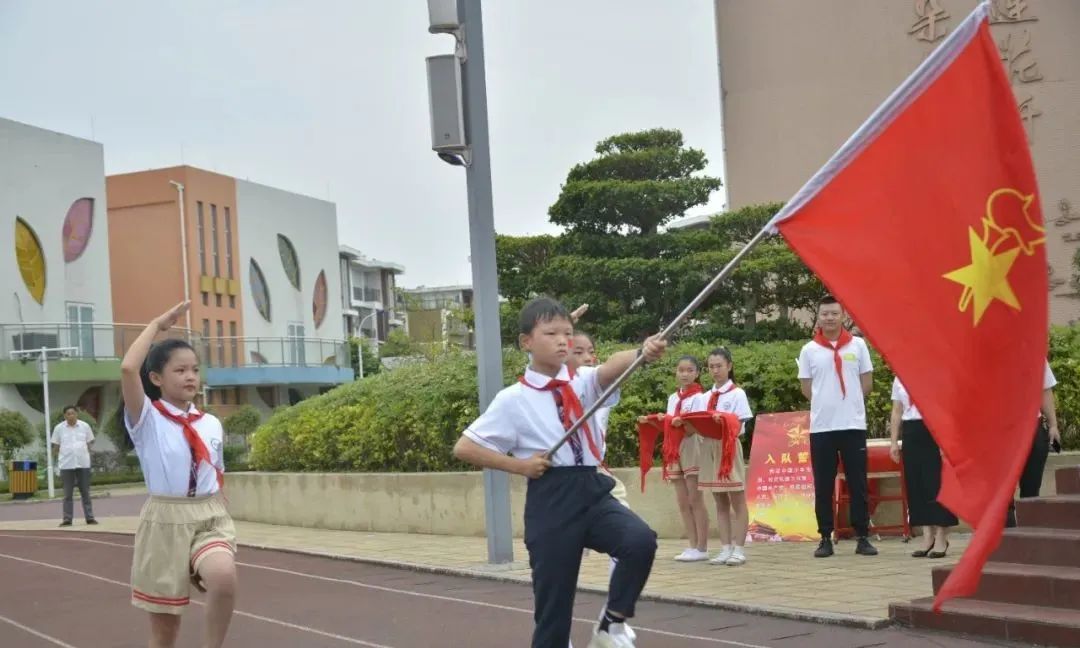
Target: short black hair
(826,300)
(541,309)
(691,359)
(70,407)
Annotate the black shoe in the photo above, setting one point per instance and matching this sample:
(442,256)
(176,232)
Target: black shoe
(824,549)
(65,523)
(922,553)
(1010,519)
(939,554)
(91,521)
(864,548)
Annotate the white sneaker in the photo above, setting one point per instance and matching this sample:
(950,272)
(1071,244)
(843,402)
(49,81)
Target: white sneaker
(616,636)
(722,557)
(693,555)
(737,558)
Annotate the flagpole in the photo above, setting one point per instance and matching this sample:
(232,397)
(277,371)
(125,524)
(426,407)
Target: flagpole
(666,334)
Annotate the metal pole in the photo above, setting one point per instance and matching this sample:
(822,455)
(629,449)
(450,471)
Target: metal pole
(44,368)
(484,271)
(666,334)
(184,254)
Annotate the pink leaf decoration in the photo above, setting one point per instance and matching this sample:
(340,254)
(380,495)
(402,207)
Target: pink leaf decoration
(77,227)
(318,305)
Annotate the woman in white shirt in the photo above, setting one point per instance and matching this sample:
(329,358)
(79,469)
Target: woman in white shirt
(922,474)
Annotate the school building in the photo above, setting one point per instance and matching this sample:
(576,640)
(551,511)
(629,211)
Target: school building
(260,266)
(797,79)
(54,274)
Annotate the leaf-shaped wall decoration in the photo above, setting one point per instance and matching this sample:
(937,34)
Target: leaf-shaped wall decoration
(259,290)
(78,224)
(318,302)
(30,257)
(289,260)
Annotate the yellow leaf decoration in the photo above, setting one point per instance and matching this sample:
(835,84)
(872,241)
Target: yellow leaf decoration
(31,259)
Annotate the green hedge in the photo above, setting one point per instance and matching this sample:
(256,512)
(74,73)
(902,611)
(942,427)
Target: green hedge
(406,420)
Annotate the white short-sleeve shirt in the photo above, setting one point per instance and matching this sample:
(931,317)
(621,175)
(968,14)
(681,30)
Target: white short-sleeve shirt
(523,421)
(900,395)
(73,440)
(731,400)
(829,408)
(673,402)
(1049,381)
(165,456)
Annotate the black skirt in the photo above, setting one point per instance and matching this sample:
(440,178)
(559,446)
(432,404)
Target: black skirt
(922,476)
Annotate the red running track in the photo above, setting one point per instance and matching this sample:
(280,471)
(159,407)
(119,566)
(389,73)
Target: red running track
(70,590)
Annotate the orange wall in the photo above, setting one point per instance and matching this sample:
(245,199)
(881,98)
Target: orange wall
(143,208)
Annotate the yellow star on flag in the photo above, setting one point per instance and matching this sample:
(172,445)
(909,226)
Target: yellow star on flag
(986,278)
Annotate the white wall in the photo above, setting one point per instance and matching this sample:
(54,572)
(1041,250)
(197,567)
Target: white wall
(41,174)
(311,225)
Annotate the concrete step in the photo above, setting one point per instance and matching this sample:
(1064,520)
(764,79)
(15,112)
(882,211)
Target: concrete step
(1049,586)
(1022,623)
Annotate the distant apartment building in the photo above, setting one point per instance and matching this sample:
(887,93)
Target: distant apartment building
(369,295)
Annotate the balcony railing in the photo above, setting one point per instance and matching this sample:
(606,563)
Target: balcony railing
(272,352)
(111,341)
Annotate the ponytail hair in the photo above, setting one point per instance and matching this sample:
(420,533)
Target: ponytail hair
(722,352)
(155,362)
(691,359)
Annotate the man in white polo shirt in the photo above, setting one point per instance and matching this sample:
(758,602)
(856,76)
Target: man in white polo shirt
(73,437)
(835,373)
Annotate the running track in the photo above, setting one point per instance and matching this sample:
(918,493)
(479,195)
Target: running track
(70,590)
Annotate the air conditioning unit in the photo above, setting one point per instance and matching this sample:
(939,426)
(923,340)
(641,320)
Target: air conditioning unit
(29,341)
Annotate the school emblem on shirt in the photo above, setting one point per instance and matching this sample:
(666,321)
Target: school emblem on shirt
(850,357)
(215,444)
(1008,228)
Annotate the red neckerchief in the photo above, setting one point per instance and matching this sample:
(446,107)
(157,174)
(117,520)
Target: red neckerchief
(199,452)
(842,341)
(572,409)
(683,394)
(714,398)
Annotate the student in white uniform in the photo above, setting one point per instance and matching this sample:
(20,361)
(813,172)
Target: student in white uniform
(185,536)
(922,474)
(683,474)
(732,517)
(72,439)
(835,372)
(1046,435)
(568,505)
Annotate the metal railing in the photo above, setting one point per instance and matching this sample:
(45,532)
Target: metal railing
(107,341)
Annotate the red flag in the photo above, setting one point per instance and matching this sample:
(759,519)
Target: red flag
(926,225)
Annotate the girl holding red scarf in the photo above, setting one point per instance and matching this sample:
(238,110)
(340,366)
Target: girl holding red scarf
(726,479)
(683,472)
(185,536)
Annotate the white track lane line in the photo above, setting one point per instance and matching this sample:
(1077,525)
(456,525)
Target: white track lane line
(257,617)
(394,590)
(40,635)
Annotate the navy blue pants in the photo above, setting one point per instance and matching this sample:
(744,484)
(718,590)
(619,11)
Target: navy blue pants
(566,511)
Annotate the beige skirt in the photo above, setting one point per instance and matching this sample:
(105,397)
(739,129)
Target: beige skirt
(689,463)
(710,453)
(175,535)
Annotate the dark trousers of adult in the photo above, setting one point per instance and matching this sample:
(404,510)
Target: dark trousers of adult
(1031,477)
(826,450)
(566,511)
(71,477)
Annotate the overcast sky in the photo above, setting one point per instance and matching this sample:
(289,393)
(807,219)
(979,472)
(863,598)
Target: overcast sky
(329,98)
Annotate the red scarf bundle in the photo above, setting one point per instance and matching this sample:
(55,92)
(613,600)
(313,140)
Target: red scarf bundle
(726,431)
(199,451)
(572,410)
(673,434)
(842,341)
(656,424)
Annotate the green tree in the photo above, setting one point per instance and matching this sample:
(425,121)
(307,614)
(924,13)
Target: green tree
(15,432)
(363,357)
(397,344)
(242,422)
(638,182)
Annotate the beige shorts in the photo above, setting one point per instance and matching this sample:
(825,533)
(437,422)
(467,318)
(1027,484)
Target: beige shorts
(175,535)
(710,453)
(689,463)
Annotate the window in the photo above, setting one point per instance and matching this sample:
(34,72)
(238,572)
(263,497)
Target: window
(232,301)
(206,339)
(217,300)
(209,396)
(234,343)
(80,319)
(214,241)
(202,239)
(296,343)
(206,299)
(228,243)
(221,343)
